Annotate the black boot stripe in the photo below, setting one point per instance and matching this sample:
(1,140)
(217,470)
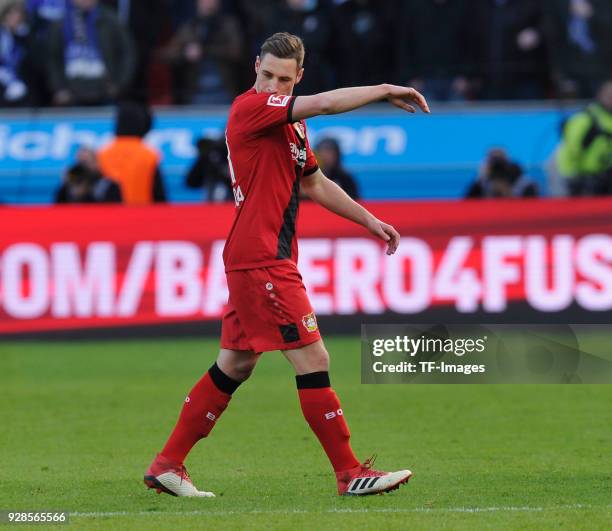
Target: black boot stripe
(373,482)
(356,484)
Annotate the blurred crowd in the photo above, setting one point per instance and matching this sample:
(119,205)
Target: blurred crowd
(100,52)
(94,52)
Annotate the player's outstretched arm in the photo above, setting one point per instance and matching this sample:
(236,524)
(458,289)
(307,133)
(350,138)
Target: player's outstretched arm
(346,99)
(329,195)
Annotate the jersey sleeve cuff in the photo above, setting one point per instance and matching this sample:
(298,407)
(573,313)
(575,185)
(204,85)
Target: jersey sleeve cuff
(290,110)
(310,171)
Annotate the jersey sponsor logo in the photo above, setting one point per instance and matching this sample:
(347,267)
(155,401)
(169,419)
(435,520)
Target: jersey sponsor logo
(310,322)
(278,101)
(299,129)
(298,154)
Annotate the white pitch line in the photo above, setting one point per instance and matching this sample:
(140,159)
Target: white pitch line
(340,510)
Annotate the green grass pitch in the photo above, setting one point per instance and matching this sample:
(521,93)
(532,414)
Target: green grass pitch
(82,420)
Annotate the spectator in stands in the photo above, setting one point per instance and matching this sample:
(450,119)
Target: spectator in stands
(440,62)
(83,184)
(128,161)
(90,55)
(329,158)
(145,21)
(500,178)
(310,19)
(15,65)
(363,45)
(211,171)
(254,18)
(511,41)
(584,158)
(205,54)
(580,45)
(42,14)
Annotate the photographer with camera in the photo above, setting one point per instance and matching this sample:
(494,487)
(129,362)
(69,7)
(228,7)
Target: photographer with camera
(210,171)
(501,178)
(84,184)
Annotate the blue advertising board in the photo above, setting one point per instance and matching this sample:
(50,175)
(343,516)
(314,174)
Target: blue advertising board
(393,155)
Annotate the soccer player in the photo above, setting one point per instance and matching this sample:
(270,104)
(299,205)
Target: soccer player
(270,161)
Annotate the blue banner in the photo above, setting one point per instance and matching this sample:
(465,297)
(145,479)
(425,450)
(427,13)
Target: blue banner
(393,155)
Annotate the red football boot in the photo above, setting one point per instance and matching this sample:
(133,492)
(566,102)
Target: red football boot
(363,480)
(172,478)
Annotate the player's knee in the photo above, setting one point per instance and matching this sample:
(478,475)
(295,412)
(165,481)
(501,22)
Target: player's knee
(318,360)
(243,372)
(238,365)
(311,358)
(243,368)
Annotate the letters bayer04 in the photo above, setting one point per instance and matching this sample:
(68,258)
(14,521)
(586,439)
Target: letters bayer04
(107,272)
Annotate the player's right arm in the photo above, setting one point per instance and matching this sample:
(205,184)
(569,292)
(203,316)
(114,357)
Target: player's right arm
(346,99)
(330,196)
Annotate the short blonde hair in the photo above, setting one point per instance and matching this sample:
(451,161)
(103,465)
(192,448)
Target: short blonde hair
(284,46)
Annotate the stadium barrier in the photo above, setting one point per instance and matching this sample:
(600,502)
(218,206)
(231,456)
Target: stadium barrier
(103,267)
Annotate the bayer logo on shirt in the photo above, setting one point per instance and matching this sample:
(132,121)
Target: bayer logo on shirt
(298,154)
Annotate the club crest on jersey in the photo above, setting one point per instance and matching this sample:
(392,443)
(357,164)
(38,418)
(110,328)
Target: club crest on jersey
(298,154)
(278,101)
(310,322)
(299,129)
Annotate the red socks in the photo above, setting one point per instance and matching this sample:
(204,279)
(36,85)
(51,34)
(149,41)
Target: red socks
(321,409)
(211,395)
(202,407)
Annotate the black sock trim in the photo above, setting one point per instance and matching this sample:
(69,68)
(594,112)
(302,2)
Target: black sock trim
(313,380)
(222,381)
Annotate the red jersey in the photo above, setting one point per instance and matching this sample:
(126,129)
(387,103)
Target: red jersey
(268,154)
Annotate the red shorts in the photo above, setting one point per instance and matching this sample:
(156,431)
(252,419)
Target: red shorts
(268,309)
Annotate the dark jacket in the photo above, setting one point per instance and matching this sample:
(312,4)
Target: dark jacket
(221,40)
(505,176)
(117,53)
(569,60)
(506,70)
(210,171)
(521,188)
(436,41)
(104,191)
(364,43)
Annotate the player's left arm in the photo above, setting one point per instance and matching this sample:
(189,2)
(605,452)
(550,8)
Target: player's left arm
(329,195)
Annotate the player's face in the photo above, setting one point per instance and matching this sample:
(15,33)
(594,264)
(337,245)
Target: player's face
(277,76)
